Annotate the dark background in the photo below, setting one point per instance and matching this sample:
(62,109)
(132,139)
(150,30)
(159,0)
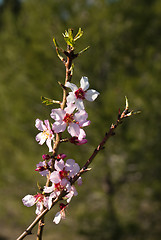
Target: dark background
(121,197)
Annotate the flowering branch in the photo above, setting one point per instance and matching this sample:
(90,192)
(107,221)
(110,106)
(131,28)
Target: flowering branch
(61,175)
(126,113)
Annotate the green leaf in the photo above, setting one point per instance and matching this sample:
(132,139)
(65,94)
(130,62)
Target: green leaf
(69,41)
(48,101)
(78,35)
(68,36)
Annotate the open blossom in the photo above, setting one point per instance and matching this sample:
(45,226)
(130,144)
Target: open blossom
(46,134)
(60,178)
(62,174)
(66,169)
(39,199)
(73,122)
(79,94)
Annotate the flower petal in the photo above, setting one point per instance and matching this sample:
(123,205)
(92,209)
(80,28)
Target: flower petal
(57,218)
(41,138)
(59,165)
(74,129)
(29,200)
(72,86)
(48,143)
(64,182)
(71,97)
(81,117)
(59,127)
(55,177)
(39,208)
(49,189)
(79,104)
(39,125)
(82,134)
(57,114)
(69,163)
(91,95)
(70,108)
(47,124)
(85,124)
(48,202)
(79,181)
(84,83)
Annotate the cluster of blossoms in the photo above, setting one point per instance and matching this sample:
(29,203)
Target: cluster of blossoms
(59,172)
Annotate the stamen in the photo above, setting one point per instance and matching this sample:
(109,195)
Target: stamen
(39,197)
(68,118)
(63,174)
(80,93)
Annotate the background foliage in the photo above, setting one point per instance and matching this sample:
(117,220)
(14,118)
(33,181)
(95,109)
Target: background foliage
(121,196)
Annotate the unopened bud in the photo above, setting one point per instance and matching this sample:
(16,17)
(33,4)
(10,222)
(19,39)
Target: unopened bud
(46,156)
(76,141)
(61,156)
(40,169)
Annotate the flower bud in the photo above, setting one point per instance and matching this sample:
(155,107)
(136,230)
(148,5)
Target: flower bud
(76,141)
(46,156)
(61,156)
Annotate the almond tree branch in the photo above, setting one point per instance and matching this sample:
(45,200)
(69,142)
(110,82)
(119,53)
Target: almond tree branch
(68,66)
(84,169)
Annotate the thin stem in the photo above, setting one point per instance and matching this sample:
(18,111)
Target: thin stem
(68,64)
(40,229)
(108,134)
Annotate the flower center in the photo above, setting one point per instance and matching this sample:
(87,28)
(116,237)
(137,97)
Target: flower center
(47,134)
(80,93)
(63,174)
(58,186)
(68,118)
(39,197)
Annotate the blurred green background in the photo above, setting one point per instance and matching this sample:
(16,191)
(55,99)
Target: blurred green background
(121,197)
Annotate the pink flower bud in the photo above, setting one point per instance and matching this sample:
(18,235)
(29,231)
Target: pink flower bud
(61,156)
(76,141)
(46,156)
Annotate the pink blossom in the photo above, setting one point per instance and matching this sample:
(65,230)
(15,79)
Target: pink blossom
(40,200)
(73,122)
(79,94)
(60,178)
(46,134)
(68,169)
(63,172)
